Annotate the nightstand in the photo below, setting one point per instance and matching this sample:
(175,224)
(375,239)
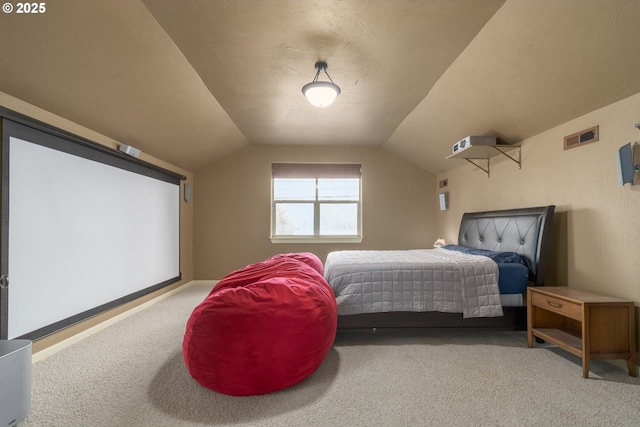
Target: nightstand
(589,325)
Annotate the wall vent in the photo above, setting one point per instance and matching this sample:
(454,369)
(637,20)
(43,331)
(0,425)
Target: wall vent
(581,138)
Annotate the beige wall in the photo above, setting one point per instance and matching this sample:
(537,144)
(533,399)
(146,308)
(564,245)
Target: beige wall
(233,195)
(186,215)
(596,231)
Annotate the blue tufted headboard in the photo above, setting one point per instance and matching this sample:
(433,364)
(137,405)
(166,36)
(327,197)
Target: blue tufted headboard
(525,231)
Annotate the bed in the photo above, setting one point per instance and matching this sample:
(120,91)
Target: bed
(478,283)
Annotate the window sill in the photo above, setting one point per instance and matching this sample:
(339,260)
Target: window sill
(334,239)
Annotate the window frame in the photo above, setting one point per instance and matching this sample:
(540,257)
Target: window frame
(316,237)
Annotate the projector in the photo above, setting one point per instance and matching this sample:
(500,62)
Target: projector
(470,141)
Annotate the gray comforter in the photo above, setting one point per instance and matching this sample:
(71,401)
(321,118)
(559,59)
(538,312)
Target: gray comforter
(414,280)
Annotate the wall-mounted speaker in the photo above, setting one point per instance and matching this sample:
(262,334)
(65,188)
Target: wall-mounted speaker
(443,200)
(626,164)
(127,149)
(187,192)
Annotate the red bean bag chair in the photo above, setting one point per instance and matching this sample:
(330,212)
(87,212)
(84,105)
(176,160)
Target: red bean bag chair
(263,328)
(307,257)
(281,262)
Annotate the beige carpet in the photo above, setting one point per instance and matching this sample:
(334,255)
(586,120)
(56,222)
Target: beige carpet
(132,374)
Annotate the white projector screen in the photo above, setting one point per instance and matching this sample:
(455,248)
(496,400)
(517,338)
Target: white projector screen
(83,236)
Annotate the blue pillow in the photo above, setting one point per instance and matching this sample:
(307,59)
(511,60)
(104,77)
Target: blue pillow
(497,256)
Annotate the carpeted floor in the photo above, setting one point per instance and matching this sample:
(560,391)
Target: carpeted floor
(132,374)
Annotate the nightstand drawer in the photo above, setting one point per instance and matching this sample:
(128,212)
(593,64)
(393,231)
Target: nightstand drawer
(557,305)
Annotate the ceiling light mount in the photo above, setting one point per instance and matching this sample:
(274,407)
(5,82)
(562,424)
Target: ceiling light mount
(321,93)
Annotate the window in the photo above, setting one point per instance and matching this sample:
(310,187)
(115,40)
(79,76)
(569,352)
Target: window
(315,202)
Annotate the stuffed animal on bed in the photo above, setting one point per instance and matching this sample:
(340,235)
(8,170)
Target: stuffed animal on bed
(439,243)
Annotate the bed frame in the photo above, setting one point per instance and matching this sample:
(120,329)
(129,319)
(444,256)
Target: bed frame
(525,231)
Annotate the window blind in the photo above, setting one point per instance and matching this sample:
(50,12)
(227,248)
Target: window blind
(316,170)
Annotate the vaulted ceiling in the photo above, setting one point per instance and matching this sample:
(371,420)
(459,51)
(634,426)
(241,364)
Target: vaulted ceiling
(191,81)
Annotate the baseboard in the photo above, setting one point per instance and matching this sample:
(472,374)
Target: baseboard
(48,351)
(204,282)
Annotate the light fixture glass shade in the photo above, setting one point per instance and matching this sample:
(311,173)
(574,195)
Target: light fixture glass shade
(318,93)
(321,94)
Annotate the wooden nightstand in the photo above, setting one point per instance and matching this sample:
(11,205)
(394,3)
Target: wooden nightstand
(589,325)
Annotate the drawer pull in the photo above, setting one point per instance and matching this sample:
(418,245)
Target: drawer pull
(554,304)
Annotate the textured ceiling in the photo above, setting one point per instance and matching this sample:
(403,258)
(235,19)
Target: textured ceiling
(189,82)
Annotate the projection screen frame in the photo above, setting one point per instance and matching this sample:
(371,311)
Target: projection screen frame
(12,124)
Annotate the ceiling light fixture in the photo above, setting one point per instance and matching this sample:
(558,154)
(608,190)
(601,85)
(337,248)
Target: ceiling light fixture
(321,94)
